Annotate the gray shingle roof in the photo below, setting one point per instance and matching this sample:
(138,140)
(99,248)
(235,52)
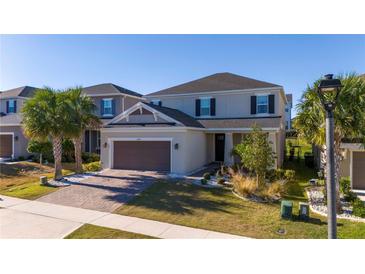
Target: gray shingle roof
(25,91)
(109,88)
(216,82)
(178,115)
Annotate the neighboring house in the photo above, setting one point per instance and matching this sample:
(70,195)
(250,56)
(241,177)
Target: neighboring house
(183,128)
(110,100)
(13,143)
(353,163)
(288,107)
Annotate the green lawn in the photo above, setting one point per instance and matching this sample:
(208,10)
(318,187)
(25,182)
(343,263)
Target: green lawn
(98,232)
(216,209)
(21,179)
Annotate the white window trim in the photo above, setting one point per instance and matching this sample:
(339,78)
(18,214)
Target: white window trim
(109,100)
(257,104)
(205,98)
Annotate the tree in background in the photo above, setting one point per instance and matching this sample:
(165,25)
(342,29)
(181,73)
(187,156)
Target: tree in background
(349,116)
(256,153)
(45,118)
(43,149)
(81,110)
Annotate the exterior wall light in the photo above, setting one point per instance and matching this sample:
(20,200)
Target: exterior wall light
(176,146)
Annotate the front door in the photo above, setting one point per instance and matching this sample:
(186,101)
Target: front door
(219,147)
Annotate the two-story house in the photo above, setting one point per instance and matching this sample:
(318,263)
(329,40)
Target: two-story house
(182,128)
(13,143)
(110,101)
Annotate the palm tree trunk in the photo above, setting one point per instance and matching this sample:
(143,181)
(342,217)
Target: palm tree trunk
(57,154)
(338,159)
(78,159)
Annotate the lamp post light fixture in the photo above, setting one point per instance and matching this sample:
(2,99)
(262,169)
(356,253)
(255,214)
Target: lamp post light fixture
(328,91)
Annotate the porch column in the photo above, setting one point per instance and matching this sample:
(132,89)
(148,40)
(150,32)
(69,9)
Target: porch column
(228,146)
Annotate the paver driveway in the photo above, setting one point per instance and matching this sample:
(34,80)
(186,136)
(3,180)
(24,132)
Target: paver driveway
(105,191)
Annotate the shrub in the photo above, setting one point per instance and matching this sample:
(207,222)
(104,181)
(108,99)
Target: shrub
(221,181)
(289,174)
(21,158)
(358,208)
(279,173)
(244,186)
(345,185)
(350,196)
(274,190)
(206,176)
(92,167)
(204,181)
(88,157)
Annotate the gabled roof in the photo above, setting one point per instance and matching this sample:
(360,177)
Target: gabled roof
(109,88)
(25,91)
(173,117)
(177,115)
(216,82)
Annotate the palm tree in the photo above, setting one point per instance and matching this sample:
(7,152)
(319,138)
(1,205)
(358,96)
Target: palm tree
(81,111)
(349,117)
(45,118)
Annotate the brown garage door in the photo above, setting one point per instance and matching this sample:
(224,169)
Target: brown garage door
(142,155)
(358,170)
(6,145)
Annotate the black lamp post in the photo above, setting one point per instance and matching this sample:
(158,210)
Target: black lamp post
(328,91)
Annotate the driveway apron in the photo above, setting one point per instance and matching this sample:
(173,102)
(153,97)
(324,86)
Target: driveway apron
(105,191)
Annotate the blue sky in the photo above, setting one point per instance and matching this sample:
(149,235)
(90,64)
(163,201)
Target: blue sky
(147,63)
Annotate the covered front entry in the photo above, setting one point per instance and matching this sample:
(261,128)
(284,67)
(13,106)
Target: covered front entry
(358,170)
(6,146)
(142,155)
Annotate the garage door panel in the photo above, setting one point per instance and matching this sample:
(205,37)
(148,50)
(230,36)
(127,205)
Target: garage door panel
(6,145)
(358,170)
(142,155)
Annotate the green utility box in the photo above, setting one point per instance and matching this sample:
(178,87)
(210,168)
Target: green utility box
(286,209)
(304,211)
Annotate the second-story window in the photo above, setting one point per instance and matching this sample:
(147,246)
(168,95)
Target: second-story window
(107,107)
(262,104)
(11,106)
(205,106)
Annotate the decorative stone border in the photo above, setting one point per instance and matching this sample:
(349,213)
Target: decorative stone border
(351,218)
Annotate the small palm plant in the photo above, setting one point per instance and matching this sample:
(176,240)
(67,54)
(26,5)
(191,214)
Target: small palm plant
(81,111)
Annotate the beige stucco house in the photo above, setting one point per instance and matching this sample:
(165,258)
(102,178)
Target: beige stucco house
(182,128)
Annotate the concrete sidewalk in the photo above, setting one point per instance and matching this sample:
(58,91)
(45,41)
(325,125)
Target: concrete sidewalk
(21,218)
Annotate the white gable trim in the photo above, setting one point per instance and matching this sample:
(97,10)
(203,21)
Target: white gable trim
(140,106)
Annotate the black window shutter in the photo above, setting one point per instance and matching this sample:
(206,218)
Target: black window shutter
(113,107)
(101,107)
(197,107)
(212,106)
(87,143)
(14,106)
(253,104)
(160,103)
(271,103)
(7,106)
